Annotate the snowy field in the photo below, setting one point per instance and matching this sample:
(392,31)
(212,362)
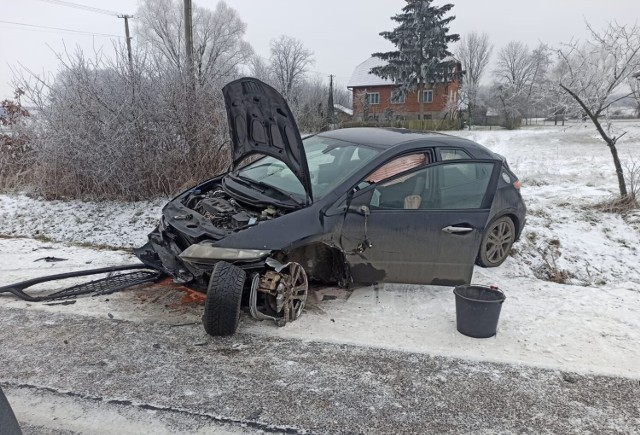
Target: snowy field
(589,322)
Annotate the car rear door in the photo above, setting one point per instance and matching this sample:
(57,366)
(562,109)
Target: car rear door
(421,227)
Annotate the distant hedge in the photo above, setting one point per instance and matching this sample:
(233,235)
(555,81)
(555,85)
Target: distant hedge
(425,125)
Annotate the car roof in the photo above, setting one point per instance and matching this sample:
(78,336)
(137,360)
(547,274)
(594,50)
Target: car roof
(386,138)
(378,137)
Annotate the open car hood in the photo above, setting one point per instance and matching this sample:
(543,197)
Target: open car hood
(260,122)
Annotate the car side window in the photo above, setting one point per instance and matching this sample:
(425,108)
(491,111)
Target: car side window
(453,154)
(397,166)
(450,186)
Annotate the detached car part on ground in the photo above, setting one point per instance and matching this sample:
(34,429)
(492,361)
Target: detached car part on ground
(359,205)
(8,422)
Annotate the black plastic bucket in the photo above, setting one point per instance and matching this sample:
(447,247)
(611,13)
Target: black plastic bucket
(478,310)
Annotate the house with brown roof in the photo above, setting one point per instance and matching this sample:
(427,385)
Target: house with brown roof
(378,99)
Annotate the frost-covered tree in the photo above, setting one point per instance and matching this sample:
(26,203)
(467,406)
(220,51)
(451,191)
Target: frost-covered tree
(11,111)
(312,108)
(538,99)
(520,80)
(289,63)
(218,44)
(261,69)
(14,143)
(474,53)
(634,84)
(308,96)
(422,41)
(104,130)
(592,72)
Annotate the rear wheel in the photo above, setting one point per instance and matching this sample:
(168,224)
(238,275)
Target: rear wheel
(224,295)
(496,243)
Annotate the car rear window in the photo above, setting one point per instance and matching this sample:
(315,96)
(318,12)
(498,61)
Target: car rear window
(453,154)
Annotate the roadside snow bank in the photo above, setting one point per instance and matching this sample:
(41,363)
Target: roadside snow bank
(587,330)
(110,223)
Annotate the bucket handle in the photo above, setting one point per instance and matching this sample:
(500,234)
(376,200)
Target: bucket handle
(495,287)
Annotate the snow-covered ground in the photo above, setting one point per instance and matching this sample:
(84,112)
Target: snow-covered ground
(108,223)
(589,322)
(566,171)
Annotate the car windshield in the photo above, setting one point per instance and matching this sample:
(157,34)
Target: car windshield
(330,162)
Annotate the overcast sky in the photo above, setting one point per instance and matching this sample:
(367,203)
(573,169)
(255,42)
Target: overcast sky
(341,33)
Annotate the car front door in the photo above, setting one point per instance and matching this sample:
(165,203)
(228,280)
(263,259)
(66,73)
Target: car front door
(422,227)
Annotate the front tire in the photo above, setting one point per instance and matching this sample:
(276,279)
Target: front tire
(496,242)
(224,295)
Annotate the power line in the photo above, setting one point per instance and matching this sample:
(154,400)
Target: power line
(81,7)
(60,29)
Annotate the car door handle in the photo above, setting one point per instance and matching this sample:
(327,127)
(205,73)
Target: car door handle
(456,230)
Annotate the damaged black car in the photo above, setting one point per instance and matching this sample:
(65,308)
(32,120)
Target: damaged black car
(343,207)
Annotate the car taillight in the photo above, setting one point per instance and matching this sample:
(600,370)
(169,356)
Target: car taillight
(517,184)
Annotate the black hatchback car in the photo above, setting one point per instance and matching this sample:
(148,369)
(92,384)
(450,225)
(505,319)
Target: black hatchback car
(358,205)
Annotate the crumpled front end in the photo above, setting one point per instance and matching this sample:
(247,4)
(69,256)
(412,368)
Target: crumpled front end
(277,291)
(170,252)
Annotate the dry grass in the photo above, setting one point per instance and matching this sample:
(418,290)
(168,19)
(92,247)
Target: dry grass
(549,270)
(618,205)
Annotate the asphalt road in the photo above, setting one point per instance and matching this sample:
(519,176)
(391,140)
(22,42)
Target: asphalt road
(68,373)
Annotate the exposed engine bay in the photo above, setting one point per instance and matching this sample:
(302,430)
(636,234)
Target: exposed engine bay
(225,212)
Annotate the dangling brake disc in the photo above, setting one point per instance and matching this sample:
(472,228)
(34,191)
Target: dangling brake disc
(285,290)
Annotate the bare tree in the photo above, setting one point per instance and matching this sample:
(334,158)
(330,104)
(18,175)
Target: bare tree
(512,74)
(634,84)
(521,76)
(289,63)
(537,95)
(474,52)
(160,27)
(514,65)
(312,107)
(91,138)
(219,47)
(308,96)
(261,70)
(592,72)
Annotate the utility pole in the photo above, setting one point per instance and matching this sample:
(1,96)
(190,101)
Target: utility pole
(129,55)
(191,83)
(131,74)
(128,36)
(188,34)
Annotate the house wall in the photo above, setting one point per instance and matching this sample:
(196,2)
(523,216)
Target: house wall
(410,109)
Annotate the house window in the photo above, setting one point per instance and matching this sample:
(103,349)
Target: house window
(427,96)
(397,97)
(373,97)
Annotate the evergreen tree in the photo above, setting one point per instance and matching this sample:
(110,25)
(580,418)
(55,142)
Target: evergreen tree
(422,39)
(330,109)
